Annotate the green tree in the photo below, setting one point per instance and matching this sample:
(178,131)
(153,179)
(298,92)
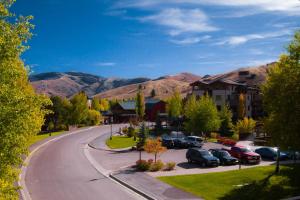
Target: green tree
(140,105)
(21,110)
(204,118)
(96,104)
(79,109)
(225,115)
(142,136)
(242,106)
(281,94)
(104,105)
(174,105)
(190,106)
(59,116)
(93,118)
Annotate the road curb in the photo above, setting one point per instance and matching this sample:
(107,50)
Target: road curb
(111,175)
(24,193)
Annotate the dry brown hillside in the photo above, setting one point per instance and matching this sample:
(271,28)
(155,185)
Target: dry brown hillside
(163,87)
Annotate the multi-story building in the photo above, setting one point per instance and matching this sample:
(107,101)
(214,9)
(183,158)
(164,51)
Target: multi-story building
(225,91)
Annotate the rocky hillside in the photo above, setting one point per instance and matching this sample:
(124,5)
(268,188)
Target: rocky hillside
(69,83)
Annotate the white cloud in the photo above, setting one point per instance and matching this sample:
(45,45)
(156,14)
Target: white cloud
(241,39)
(181,21)
(190,40)
(105,64)
(290,7)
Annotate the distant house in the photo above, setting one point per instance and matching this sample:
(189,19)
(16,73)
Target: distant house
(226,91)
(125,111)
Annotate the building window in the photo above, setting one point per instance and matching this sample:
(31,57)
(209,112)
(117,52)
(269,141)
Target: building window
(218,98)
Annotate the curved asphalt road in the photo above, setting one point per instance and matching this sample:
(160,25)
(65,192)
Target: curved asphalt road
(61,171)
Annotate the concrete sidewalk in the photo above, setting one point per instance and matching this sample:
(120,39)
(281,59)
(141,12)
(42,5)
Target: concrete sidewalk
(151,186)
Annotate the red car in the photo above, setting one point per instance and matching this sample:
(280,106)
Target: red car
(246,155)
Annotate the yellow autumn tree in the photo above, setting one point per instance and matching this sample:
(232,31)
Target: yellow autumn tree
(154,146)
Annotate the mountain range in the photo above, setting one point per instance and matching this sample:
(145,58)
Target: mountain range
(69,83)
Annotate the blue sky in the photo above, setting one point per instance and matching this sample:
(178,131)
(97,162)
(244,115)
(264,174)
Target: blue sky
(130,38)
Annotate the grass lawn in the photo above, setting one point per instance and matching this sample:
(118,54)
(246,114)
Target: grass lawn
(40,137)
(119,142)
(252,183)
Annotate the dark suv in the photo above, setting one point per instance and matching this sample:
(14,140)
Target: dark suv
(203,157)
(224,157)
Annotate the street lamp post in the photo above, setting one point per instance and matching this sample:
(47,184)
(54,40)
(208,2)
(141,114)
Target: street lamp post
(111,123)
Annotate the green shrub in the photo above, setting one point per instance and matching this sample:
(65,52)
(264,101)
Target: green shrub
(130,132)
(158,165)
(170,166)
(235,137)
(214,135)
(143,165)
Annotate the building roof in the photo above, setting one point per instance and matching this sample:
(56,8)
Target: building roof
(130,105)
(209,81)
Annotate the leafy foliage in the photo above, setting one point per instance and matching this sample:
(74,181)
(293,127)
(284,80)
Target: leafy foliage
(244,127)
(96,104)
(281,94)
(93,118)
(174,105)
(242,106)
(154,146)
(140,104)
(225,115)
(79,109)
(21,111)
(202,115)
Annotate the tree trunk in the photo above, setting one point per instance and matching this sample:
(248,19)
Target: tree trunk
(155,158)
(277,161)
(140,155)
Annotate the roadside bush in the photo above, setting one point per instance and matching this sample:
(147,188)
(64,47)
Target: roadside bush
(170,166)
(143,165)
(158,165)
(125,130)
(214,135)
(130,132)
(235,137)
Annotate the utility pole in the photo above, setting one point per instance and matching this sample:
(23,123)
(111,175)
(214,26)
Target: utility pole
(277,161)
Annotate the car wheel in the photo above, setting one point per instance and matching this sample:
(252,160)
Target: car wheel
(189,160)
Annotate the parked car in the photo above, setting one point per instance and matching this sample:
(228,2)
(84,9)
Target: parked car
(194,141)
(245,154)
(224,157)
(293,155)
(203,157)
(271,153)
(168,142)
(181,143)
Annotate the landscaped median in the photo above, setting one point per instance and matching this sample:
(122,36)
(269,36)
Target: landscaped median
(253,183)
(120,142)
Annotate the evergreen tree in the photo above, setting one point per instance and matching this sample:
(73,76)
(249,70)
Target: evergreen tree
(142,136)
(21,110)
(153,93)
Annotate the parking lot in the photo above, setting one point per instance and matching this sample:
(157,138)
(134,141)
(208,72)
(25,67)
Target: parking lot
(116,160)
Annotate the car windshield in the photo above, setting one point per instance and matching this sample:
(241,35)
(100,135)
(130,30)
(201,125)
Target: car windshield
(225,153)
(245,150)
(198,140)
(205,153)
